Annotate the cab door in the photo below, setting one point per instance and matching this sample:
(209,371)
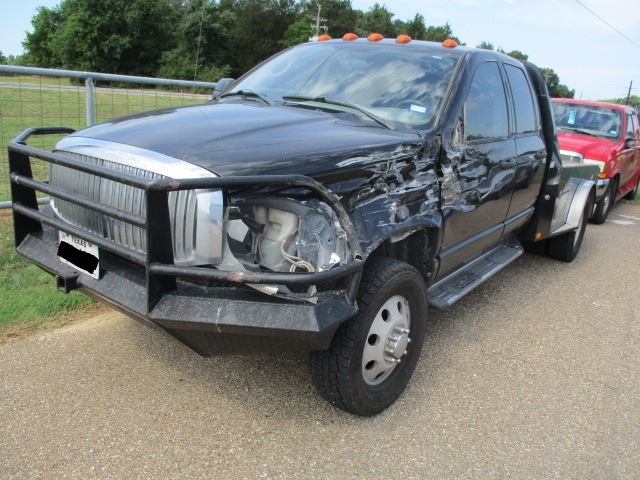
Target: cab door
(531,151)
(478,184)
(629,157)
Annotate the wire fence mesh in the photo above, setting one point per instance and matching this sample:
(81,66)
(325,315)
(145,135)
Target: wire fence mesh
(34,101)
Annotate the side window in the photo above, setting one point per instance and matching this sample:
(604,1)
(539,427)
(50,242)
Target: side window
(630,127)
(522,100)
(636,126)
(486,105)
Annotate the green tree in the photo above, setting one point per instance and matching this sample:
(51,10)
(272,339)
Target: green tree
(556,89)
(415,28)
(298,32)
(117,36)
(259,27)
(341,16)
(486,45)
(38,43)
(202,43)
(17,60)
(634,100)
(440,33)
(378,20)
(518,55)
(3,59)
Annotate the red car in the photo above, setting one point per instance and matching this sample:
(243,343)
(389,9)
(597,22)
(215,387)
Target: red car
(604,134)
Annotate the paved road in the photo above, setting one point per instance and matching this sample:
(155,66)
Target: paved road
(536,374)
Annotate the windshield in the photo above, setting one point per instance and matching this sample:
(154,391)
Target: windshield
(587,119)
(404,86)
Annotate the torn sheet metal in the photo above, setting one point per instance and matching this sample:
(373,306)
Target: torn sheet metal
(401,196)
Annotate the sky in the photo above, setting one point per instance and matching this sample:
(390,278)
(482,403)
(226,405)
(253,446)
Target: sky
(588,55)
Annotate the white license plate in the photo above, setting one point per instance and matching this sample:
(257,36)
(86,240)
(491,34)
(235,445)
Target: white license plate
(79,254)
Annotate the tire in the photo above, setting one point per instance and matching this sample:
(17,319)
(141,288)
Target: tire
(357,373)
(604,205)
(565,247)
(633,193)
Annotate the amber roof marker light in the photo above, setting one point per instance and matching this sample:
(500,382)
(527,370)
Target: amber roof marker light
(375,37)
(324,38)
(450,43)
(403,39)
(349,37)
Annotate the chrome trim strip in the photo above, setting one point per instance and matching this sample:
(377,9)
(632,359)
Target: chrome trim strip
(134,157)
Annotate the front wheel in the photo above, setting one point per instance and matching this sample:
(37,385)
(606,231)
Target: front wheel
(373,355)
(604,205)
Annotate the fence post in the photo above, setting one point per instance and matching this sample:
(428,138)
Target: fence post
(90,97)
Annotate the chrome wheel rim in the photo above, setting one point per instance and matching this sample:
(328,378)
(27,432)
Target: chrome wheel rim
(387,341)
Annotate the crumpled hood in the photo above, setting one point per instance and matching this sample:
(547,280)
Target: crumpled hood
(243,138)
(594,148)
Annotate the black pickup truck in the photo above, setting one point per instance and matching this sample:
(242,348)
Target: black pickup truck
(319,203)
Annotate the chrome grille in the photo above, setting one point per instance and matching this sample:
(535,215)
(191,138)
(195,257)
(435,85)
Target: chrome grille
(182,207)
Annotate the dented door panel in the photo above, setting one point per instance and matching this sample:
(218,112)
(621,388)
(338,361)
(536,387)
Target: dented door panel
(476,184)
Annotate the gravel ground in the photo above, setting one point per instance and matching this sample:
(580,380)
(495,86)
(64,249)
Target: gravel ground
(536,374)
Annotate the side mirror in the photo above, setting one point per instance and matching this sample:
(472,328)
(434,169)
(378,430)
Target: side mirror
(630,143)
(221,86)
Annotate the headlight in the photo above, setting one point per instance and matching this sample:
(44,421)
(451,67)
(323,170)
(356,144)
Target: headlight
(571,157)
(599,163)
(209,229)
(283,235)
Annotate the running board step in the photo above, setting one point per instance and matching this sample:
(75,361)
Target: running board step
(455,286)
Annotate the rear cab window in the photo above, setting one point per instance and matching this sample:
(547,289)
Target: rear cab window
(525,113)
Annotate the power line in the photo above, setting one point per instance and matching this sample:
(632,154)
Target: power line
(607,23)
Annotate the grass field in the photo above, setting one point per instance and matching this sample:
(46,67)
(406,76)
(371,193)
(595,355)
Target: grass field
(35,101)
(28,297)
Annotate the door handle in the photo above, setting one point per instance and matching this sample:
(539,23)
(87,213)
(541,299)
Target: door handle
(509,163)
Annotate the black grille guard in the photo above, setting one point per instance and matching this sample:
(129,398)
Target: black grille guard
(161,273)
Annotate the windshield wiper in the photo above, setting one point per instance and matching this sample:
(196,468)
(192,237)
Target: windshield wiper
(248,93)
(340,103)
(579,130)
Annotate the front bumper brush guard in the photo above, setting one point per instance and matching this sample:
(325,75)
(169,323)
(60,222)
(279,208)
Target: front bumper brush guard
(161,273)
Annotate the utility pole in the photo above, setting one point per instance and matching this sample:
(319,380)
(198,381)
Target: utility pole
(629,93)
(317,27)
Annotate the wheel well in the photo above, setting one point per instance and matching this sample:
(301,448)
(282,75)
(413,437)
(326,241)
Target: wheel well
(616,184)
(416,250)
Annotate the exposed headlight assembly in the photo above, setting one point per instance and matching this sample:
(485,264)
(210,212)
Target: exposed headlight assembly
(282,235)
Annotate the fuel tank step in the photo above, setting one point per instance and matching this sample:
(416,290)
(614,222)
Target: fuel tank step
(456,285)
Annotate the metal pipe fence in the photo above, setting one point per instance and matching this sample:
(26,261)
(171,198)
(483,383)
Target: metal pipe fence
(40,97)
